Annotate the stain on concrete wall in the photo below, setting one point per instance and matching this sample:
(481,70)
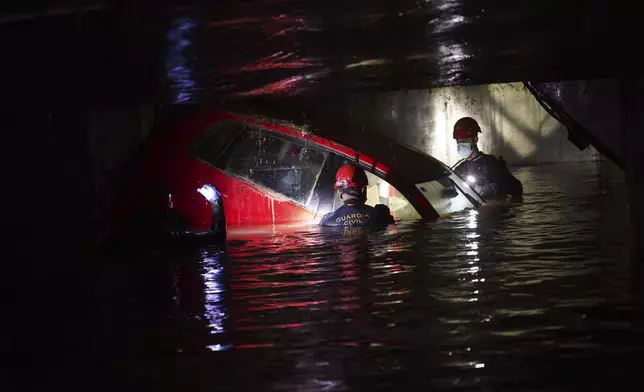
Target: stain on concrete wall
(597,105)
(514,125)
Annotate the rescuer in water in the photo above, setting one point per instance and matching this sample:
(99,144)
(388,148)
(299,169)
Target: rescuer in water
(486,174)
(351,182)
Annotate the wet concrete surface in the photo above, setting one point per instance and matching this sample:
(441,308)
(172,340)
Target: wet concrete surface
(208,51)
(532,297)
(273,48)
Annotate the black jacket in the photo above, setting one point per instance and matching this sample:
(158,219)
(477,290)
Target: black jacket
(492,179)
(354,213)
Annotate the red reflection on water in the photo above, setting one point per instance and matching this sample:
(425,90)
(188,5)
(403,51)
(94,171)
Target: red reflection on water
(261,285)
(346,291)
(257,345)
(290,85)
(235,22)
(278,60)
(263,327)
(281,19)
(287,19)
(274,306)
(276,87)
(352,306)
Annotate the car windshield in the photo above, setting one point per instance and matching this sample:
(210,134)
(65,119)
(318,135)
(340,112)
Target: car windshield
(446,192)
(280,164)
(449,194)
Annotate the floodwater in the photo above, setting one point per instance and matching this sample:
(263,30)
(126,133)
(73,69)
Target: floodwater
(530,297)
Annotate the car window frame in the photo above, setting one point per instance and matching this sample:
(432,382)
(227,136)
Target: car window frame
(229,143)
(223,161)
(406,189)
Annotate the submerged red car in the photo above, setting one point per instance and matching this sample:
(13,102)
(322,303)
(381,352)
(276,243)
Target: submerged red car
(261,171)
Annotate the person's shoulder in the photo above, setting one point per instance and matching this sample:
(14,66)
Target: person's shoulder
(368,208)
(325,218)
(382,214)
(460,165)
(487,157)
(329,218)
(491,160)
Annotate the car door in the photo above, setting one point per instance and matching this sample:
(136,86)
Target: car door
(265,176)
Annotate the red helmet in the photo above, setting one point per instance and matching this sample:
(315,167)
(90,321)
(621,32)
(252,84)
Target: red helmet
(466,128)
(350,177)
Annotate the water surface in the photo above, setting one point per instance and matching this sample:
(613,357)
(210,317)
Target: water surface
(529,297)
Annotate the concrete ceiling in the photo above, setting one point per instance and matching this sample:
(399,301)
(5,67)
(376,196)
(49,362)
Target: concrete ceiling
(147,50)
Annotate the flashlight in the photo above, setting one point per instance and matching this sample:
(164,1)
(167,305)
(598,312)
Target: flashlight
(218,222)
(471,179)
(209,192)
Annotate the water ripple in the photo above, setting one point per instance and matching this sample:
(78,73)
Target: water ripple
(506,298)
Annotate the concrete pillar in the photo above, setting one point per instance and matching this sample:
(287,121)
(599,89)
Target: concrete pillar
(632,103)
(114,135)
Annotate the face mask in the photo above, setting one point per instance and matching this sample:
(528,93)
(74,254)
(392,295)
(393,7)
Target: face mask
(464,149)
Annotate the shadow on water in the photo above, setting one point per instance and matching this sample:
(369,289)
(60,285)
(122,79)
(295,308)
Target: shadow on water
(521,297)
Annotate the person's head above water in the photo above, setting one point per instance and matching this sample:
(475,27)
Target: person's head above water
(351,182)
(466,132)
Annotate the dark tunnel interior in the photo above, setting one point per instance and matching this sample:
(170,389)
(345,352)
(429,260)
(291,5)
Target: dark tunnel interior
(540,295)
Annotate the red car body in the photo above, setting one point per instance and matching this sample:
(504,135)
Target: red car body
(260,187)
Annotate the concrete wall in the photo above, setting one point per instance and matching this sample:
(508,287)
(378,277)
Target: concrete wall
(514,125)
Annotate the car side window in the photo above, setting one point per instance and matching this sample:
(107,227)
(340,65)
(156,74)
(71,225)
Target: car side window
(277,162)
(325,198)
(210,147)
(379,191)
